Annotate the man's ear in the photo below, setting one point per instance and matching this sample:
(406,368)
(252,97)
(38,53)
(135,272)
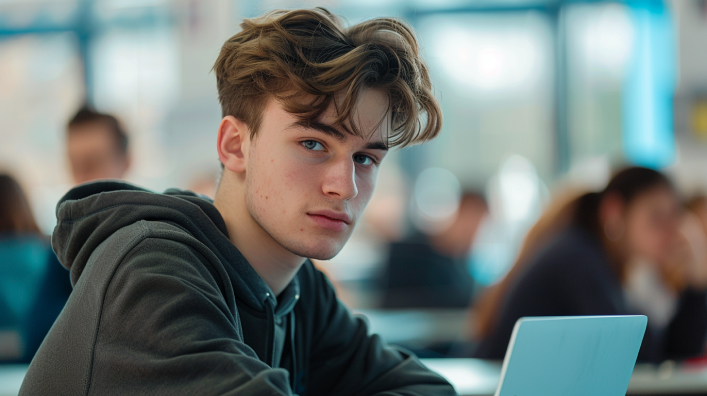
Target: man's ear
(232,143)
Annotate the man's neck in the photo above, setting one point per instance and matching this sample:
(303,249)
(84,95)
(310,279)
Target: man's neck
(275,265)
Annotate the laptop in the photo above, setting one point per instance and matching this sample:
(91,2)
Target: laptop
(574,355)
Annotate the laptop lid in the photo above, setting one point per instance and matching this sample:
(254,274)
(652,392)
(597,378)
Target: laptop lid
(573,355)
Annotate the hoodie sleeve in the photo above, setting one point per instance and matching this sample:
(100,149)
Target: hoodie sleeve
(166,330)
(347,361)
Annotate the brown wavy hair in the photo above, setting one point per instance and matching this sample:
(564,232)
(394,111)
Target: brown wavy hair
(308,61)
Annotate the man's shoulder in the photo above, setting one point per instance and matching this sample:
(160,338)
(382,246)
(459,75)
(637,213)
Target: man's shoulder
(152,244)
(156,253)
(128,237)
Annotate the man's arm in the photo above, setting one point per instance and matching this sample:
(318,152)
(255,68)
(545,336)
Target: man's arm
(166,329)
(347,361)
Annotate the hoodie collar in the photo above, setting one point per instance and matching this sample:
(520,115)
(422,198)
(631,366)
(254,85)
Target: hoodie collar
(287,300)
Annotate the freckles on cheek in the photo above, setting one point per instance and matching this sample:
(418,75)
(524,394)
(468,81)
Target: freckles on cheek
(298,178)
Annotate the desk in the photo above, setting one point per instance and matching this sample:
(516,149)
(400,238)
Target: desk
(668,379)
(470,377)
(415,325)
(474,377)
(11,376)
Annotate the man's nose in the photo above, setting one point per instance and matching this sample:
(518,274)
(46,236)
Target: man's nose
(340,180)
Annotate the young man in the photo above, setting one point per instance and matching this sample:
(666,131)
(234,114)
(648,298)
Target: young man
(177,295)
(97,147)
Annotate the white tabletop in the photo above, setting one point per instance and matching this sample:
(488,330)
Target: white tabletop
(474,377)
(11,378)
(470,377)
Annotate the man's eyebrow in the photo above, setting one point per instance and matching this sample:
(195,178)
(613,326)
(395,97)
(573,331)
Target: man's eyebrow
(323,128)
(377,146)
(335,133)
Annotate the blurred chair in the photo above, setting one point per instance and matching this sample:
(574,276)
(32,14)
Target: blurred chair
(31,296)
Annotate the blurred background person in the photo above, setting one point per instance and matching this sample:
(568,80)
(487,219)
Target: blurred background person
(97,147)
(694,231)
(33,285)
(429,270)
(583,266)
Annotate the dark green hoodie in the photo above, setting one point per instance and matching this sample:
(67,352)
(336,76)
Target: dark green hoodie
(164,304)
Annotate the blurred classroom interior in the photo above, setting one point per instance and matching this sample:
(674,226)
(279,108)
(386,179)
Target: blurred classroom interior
(543,101)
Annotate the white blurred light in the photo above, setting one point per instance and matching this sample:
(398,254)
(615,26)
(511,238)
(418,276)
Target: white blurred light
(518,184)
(495,60)
(607,40)
(591,173)
(55,56)
(436,196)
(516,197)
(118,4)
(136,69)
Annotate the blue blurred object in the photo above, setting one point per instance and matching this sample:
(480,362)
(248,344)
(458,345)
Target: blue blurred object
(33,290)
(579,355)
(648,138)
(23,263)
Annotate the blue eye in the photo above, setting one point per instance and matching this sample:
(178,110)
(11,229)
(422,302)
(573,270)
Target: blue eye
(312,145)
(362,159)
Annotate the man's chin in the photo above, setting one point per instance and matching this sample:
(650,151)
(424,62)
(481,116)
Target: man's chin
(318,252)
(323,256)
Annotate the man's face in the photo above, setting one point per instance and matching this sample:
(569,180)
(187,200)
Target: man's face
(94,153)
(307,186)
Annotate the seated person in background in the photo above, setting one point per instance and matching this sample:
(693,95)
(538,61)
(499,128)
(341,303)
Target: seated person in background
(27,265)
(694,230)
(580,262)
(178,295)
(430,271)
(97,147)
(655,289)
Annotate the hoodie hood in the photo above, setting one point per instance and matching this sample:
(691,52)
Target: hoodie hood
(90,213)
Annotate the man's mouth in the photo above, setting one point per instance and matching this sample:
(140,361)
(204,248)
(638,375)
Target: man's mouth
(331,220)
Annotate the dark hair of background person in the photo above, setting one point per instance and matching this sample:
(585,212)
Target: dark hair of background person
(474,197)
(578,210)
(15,212)
(696,203)
(87,115)
(308,61)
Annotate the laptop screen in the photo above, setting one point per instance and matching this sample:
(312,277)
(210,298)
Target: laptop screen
(577,355)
